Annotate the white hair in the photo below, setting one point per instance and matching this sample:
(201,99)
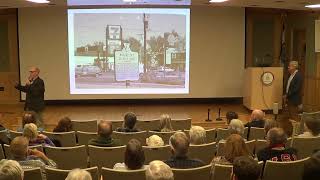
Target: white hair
(30,131)
(79,174)
(10,170)
(236,127)
(154,141)
(197,135)
(158,170)
(294,64)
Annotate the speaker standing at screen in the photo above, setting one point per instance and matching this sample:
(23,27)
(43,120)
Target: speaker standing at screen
(293,98)
(34,89)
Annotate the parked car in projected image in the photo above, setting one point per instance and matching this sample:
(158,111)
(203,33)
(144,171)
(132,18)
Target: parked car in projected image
(87,70)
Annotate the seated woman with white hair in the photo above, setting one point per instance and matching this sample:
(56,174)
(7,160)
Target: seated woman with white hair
(158,170)
(197,135)
(30,131)
(10,170)
(236,127)
(154,141)
(79,174)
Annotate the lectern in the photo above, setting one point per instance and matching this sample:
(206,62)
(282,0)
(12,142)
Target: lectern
(263,86)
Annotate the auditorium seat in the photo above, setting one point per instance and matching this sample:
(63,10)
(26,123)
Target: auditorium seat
(66,139)
(116,124)
(221,172)
(292,170)
(7,151)
(147,125)
(260,144)
(14,134)
(204,152)
(32,174)
(250,145)
(4,137)
(156,153)
(256,133)
(2,156)
(68,157)
(245,133)
(210,135)
(125,137)
(305,146)
(202,173)
(85,125)
(111,174)
(85,137)
(164,135)
(59,174)
(181,124)
(106,156)
(222,134)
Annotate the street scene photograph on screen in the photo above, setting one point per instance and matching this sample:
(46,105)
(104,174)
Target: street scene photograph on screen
(129,51)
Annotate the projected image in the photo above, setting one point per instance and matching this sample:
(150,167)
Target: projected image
(129,51)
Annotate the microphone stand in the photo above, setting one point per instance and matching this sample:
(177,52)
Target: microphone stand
(208,119)
(219,117)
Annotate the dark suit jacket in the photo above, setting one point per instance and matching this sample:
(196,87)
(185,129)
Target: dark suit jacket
(295,90)
(34,95)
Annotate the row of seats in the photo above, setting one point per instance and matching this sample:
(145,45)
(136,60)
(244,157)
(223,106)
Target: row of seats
(273,170)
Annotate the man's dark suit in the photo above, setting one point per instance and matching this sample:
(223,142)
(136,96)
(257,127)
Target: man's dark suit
(34,95)
(295,90)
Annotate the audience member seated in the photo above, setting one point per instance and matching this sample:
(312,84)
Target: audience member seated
(31,133)
(133,158)
(154,141)
(234,147)
(276,151)
(158,170)
(29,117)
(64,125)
(129,122)
(79,174)
(312,127)
(179,144)
(165,123)
(197,135)
(29,158)
(10,170)
(104,138)
(269,124)
(286,124)
(245,168)
(231,115)
(312,167)
(236,127)
(256,119)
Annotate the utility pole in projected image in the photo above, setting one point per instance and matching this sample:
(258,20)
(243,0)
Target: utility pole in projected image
(145,26)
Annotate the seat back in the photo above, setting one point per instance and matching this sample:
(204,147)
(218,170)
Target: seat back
(204,152)
(260,144)
(181,124)
(306,115)
(144,125)
(59,174)
(14,134)
(32,174)
(245,133)
(66,139)
(2,156)
(7,151)
(68,157)
(85,125)
(249,144)
(202,173)
(164,135)
(221,172)
(222,134)
(111,174)
(98,155)
(292,170)
(125,137)
(256,133)
(156,153)
(116,124)
(305,146)
(211,135)
(85,137)
(4,137)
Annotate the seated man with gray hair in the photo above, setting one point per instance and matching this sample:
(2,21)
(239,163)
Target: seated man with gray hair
(104,138)
(10,170)
(179,144)
(158,170)
(256,119)
(79,174)
(197,135)
(276,151)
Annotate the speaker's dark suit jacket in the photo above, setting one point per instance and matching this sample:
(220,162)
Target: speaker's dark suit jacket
(295,90)
(34,95)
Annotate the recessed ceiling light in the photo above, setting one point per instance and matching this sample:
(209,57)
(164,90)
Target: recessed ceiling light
(39,1)
(217,1)
(313,6)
